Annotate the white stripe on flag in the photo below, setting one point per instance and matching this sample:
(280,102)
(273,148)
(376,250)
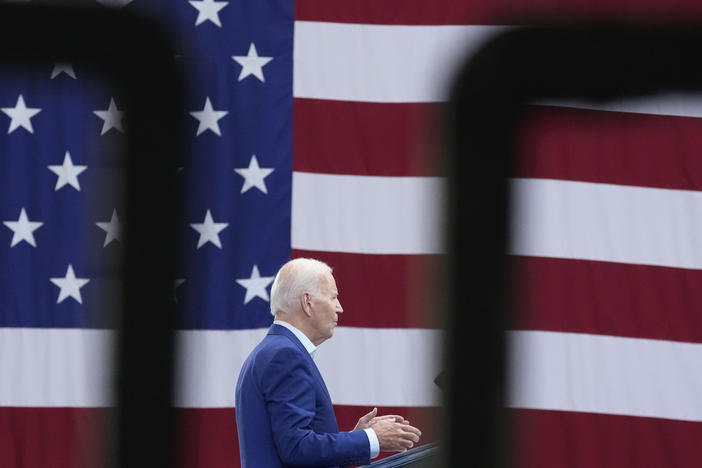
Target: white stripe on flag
(55,367)
(72,367)
(605,374)
(366,214)
(380,63)
(401,364)
(614,223)
(209,362)
(382,367)
(553,371)
(551,218)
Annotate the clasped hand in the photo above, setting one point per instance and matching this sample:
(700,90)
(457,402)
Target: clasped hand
(395,434)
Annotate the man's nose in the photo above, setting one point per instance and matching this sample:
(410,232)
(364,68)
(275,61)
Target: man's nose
(339,309)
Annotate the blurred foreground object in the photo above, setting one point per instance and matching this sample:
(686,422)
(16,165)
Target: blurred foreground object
(140,66)
(595,63)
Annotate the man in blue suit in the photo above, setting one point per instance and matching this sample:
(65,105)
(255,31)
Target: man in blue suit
(284,413)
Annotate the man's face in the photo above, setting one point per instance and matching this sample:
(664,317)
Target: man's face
(325,310)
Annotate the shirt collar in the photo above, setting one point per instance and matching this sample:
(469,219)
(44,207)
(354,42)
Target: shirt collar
(309,346)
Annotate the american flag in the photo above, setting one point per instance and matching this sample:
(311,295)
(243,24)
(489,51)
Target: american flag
(312,132)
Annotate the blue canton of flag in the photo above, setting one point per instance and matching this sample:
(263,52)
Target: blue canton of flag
(238,175)
(61,144)
(60,147)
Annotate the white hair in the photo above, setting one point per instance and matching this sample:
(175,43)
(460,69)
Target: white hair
(296,277)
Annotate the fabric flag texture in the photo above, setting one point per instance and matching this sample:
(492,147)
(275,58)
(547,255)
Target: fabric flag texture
(312,132)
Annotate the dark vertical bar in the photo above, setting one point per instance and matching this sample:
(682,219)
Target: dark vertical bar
(576,61)
(146,422)
(134,56)
(479,135)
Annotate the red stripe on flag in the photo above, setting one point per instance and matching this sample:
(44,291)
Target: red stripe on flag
(365,138)
(554,142)
(55,437)
(555,439)
(446,12)
(392,11)
(208,437)
(384,291)
(545,439)
(607,298)
(611,147)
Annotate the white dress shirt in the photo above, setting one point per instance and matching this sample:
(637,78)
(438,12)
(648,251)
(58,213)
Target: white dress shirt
(311,348)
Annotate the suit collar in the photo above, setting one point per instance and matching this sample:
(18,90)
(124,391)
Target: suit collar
(297,337)
(309,346)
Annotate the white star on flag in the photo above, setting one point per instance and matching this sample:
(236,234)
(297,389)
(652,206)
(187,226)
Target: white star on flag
(209,231)
(255,285)
(254,175)
(112,117)
(252,64)
(67,173)
(23,229)
(21,115)
(208,10)
(112,228)
(70,285)
(208,118)
(66,68)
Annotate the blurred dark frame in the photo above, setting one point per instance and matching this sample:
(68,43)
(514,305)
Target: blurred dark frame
(596,62)
(133,55)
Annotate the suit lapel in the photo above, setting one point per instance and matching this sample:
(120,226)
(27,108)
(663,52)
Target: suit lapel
(281,330)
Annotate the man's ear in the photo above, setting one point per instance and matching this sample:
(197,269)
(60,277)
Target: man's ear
(306,303)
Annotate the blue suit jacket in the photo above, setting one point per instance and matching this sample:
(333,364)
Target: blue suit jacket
(284,414)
